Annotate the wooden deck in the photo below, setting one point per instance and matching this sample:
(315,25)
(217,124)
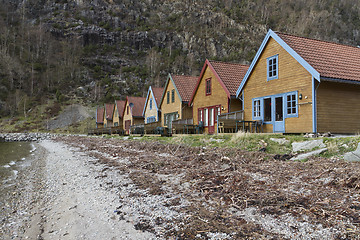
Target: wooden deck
(109,130)
(227,121)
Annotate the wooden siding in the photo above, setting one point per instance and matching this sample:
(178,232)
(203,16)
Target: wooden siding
(218,96)
(107,123)
(127,117)
(187,112)
(235,105)
(116,118)
(292,77)
(338,107)
(166,108)
(151,112)
(137,121)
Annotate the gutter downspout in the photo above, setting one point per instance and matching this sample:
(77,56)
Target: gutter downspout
(314,105)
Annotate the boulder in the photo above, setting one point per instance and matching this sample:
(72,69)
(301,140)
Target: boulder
(281,141)
(353,156)
(308,154)
(307,145)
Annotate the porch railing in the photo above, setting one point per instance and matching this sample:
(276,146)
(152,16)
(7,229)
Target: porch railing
(183,121)
(227,121)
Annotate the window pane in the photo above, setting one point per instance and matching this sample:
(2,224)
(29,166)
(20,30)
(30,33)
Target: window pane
(205,117)
(279,109)
(267,109)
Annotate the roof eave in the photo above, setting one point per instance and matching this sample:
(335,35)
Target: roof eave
(340,80)
(282,43)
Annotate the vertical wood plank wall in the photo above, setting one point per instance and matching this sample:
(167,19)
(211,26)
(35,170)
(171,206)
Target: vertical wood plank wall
(153,111)
(127,116)
(292,77)
(338,107)
(116,118)
(171,107)
(218,95)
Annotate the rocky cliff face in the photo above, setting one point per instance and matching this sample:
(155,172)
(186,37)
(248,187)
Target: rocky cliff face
(119,47)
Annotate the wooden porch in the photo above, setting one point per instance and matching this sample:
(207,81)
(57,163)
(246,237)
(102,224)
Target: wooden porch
(108,130)
(227,122)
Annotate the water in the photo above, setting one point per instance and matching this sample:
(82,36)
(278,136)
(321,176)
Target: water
(12,157)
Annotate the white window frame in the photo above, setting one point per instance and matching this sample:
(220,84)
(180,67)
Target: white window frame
(206,117)
(257,108)
(293,101)
(271,67)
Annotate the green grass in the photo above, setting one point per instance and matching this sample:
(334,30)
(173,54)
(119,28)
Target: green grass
(254,142)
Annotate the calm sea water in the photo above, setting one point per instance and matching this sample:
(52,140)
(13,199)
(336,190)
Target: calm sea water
(12,158)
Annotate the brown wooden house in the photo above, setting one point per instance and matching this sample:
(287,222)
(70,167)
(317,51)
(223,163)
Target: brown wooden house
(100,117)
(296,85)
(118,113)
(132,114)
(108,114)
(215,92)
(175,99)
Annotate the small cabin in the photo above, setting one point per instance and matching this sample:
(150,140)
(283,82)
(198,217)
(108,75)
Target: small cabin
(118,113)
(175,99)
(100,117)
(151,110)
(215,93)
(132,113)
(298,85)
(108,114)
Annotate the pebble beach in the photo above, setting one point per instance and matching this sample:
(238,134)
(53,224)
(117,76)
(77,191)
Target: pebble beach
(58,196)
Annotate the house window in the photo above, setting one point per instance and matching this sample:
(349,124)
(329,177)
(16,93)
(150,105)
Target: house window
(150,103)
(208,86)
(116,113)
(200,115)
(256,109)
(173,95)
(168,97)
(127,110)
(116,124)
(291,104)
(272,67)
(206,117)
(151,119)
(267,109)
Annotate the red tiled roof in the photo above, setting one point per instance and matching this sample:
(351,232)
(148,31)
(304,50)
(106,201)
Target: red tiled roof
(120,107)
(231,74)
(138,105)
(185,85)
(157,94)
(100,115)
(331,60)
(109,110)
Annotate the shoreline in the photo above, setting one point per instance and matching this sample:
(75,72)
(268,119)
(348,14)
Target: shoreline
(24,195)
(61,196)
(79,188)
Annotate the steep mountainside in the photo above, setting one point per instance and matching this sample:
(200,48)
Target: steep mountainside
(105,49)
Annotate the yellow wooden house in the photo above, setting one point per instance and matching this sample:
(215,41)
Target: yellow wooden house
(152,112)
(215,92)
(175,98)
(108,114)
(118,113)
(296,85)
(132,113)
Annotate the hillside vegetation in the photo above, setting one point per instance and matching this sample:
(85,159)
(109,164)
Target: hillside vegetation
(104,50)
